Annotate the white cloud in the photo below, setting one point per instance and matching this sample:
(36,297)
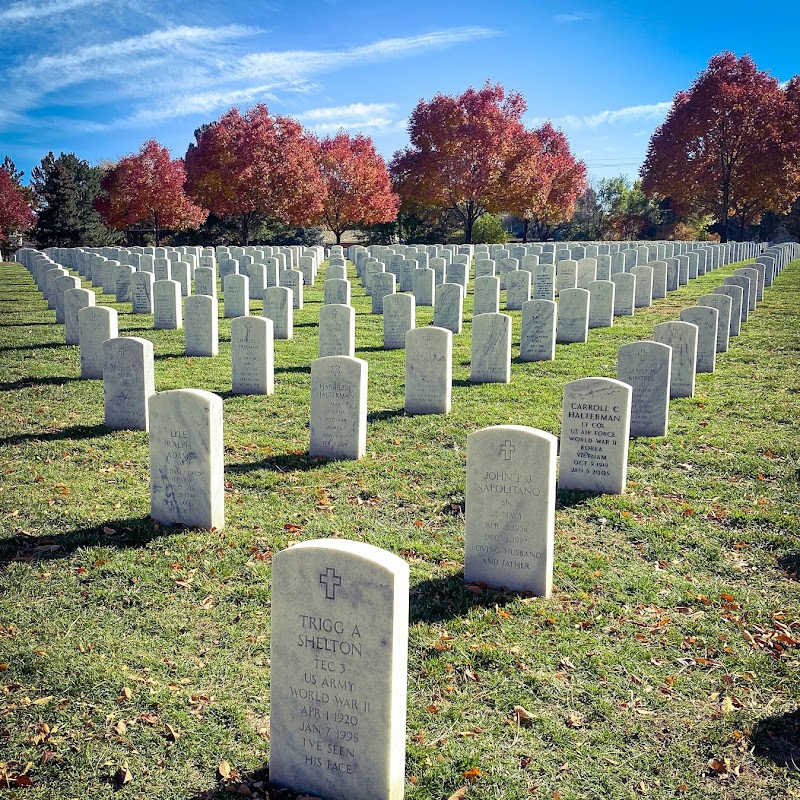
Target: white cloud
(577,16)
(35,9)
(654,111)
(294,64)
(335,112)
(373,123)
(125,57)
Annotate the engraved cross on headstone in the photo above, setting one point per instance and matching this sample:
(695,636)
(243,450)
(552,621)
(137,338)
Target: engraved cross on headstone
(643,354)
(331,581)
(507,448)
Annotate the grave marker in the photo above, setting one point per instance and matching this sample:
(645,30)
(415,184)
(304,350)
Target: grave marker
(491,348)
(594,435)
(510,508)
(645,367)
(538,338)
(186,458)
(338,664)
(682,338)
(429,367)
(96,324)
(201,326)
(128,382)
(252,355)
(337,330)
(338,407)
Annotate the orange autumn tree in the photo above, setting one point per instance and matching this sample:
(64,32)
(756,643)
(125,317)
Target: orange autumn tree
(543,180)
(358,191)
(16,216)
(253,164)
(459,151)
(148,188)
(726,148)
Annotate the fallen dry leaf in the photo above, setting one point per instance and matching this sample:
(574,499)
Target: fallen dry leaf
(171,733)
(522,715)
(459,795)
(727,706)
(121,777)
(473,774)
(574,721)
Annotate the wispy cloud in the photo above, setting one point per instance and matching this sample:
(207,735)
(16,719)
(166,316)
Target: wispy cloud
(188,70)
(653,111)
(125,56)
(352,111)
(297,63)
(576,16)
(36,10)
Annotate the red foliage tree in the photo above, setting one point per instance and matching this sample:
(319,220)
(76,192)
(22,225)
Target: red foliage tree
(148,187)
(542,180)
(459,151)
(725,148)
(15,214)
(251,164)
(358,191)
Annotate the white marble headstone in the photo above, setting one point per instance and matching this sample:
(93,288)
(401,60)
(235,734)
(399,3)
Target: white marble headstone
(338,407)
(645,367)
(538,337)
(429,366)
(510,508)
(682,338)
(186,458)
(338,670)
(128,382)
(594,435)
(252,355)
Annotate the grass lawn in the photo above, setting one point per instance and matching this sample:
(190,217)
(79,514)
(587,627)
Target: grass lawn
(666,664)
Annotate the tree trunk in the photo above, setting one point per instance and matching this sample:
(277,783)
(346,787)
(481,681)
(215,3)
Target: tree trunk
(155,227)
(245,229)
(723,237)
(469,221)
(338,236)
(525,225)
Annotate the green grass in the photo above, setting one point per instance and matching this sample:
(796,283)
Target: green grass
(664,665)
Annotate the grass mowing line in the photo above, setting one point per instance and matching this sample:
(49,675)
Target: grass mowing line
(652,669)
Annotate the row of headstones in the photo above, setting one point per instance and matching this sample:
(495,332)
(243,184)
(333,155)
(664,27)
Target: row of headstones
(636,252)
(427,390)
(163,299)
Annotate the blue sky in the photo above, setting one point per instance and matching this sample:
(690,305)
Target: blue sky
(99,77)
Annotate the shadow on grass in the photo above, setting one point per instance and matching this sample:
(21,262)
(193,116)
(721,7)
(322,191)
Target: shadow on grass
(573,498)
(76,432)
(26,324)
(438,599)
(247,783)
(29,383)
(778,739)
(790,564)
(131,532)
(378,416)
(293,369)
(283,463)
(371,349)
(47,346)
